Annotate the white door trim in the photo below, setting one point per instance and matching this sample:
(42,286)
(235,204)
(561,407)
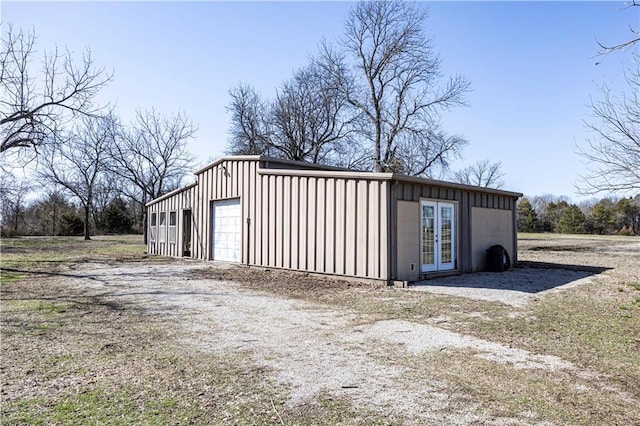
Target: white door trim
(438,225)
(226,230)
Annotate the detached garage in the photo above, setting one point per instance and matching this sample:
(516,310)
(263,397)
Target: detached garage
(283,214)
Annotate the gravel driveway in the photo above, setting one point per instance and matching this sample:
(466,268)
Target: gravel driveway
(313,350)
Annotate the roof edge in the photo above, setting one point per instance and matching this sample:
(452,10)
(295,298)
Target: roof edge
(340,173)
(304,164)
(227,158)
(317,170)
(172,193)
(462,186)
(268,159)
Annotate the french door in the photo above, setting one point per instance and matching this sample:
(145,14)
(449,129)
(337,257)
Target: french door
(438,248)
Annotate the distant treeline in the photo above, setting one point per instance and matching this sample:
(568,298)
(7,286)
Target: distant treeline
(549,213)
(55,214)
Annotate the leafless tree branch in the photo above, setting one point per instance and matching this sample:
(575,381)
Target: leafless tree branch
(151,155)
(394,84)
(77,164)
(33,105)
(625,45)
(482,173)
(612,154)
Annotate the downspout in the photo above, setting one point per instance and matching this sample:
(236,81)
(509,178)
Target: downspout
(390,215)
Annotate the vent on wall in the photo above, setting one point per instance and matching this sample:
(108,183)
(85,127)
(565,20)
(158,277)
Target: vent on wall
(412,266)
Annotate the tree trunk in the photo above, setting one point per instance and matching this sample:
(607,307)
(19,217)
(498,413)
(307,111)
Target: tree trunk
(87,212)
(145,229)
(378,168)
(16,221)
(55,220)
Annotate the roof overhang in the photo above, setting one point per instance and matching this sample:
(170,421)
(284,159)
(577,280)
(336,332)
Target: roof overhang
(172,193)
(461,186)
(299,168)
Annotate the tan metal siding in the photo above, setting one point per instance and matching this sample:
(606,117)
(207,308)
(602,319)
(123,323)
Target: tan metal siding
(314,220)
(362,239)
(385,230)
(324,224)
(321,223)
(466,199)
(330,226)
(340,225)
(312,223)
(408,253)
(286,223)
(257,240)
(374,228)
(253,200)
(295,223)
(302,221)
(246,212)
(177,202)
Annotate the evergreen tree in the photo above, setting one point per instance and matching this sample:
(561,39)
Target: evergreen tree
(71,224)
(603,218)
(572,221)
(627,212)
(527,216)
(116,218)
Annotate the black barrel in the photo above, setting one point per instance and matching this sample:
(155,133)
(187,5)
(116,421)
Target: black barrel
(497,259)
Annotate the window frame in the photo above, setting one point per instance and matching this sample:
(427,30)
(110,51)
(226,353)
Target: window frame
(162,227)
(172,227)
(153,223)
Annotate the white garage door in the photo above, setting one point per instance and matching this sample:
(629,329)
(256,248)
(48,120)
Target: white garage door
(227,230)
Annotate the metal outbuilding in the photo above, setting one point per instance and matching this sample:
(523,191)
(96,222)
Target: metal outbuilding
(283,214)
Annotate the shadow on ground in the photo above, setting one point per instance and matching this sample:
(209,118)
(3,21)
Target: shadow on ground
(513,287)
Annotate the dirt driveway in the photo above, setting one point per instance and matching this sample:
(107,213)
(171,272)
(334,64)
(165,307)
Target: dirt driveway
(317,351)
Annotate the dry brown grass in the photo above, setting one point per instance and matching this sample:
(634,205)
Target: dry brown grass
(596,326)
(76,356)
(70,356)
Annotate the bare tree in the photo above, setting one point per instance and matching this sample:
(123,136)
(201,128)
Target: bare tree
(392,79)
(307,121)
(309,116)
(482,173)
(606,49)
(107,189)
(13,194)
(77,164)
(34,105)
(613,153)
(249,129)
(151,156)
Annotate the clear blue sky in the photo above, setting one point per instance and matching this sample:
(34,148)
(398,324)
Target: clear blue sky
(531,65)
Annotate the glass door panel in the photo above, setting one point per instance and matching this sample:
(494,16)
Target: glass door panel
(428,236)
(438,250)
(446,239)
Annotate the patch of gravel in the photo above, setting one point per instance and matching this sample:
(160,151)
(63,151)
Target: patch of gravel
(310,349)
(419,338)
(515,287)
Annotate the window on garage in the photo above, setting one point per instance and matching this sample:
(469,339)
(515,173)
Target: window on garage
(173,219)
(152,227)
(162,229)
